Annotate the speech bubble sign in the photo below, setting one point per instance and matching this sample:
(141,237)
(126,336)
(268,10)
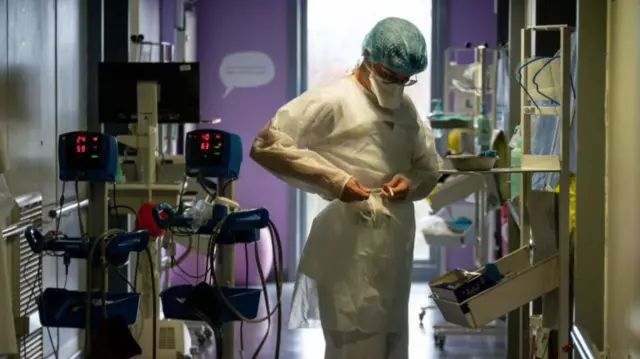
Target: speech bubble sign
(246,70)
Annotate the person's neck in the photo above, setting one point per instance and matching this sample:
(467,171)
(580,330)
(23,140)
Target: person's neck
(361,74)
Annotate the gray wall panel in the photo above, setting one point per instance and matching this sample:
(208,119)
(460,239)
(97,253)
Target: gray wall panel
(43,94)
(31,97)
(71,73)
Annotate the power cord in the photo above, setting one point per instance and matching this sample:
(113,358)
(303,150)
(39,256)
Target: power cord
(135,280)
(278,260)
(246,283)
(154,339)
(36,290)
(210,270)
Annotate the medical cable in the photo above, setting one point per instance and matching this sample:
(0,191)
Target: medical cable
(154,307)
(246,283)
(279,274)
(573,89)
(37,290)
(34,288)
(574,96)
(102,241)
(56,233)
(232,308)
(535,83)
(210,270)
(519,79)
(278,261)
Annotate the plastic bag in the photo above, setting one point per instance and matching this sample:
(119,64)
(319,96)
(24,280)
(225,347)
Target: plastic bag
(201,212)
(373,212)
(435,226)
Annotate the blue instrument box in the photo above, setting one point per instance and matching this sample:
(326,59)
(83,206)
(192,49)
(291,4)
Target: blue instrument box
(213,153)
(87,157)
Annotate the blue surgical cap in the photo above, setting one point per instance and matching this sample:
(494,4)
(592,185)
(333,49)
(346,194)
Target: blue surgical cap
(398,45)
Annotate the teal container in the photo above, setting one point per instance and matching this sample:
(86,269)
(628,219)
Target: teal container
(483,132)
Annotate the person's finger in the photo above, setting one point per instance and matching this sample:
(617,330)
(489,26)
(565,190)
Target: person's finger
(362,192)
(395,181)
(400,187)
(391,192)
(363,188)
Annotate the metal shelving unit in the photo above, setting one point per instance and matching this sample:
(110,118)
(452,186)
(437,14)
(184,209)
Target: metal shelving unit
(541,265)
(557,304)
(484,90)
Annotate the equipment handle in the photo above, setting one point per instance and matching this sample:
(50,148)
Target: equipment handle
(35,239)
(128,242)
(162,214)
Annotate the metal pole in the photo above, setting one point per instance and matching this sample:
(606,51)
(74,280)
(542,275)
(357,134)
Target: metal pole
(591,166)
(517,320)
(225,271)
(480,60)
(565,319)
(180,33)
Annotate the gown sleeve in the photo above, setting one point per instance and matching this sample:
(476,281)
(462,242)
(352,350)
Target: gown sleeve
(425,165)
(281,146)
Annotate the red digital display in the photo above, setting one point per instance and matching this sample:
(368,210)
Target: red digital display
(204,147)
(83,149)
(210,143)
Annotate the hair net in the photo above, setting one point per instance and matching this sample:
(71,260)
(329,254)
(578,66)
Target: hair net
(398,45)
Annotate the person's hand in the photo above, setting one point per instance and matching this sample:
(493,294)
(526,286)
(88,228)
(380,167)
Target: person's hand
(354,192)
(397,188)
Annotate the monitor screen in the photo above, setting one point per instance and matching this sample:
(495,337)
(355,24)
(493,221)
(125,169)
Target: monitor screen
(84,151)
(178,91)
(204,148)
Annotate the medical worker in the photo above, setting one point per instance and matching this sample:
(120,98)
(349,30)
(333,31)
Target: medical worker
(358,142)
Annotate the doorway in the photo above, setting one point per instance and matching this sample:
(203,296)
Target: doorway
(332,50)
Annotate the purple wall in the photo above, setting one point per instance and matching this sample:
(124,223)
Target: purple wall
(232,26)
(228,26)
(471,21)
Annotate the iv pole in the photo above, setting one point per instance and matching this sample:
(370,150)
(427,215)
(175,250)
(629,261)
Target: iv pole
(225,257)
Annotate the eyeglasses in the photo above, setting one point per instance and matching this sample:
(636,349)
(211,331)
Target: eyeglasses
(390,78)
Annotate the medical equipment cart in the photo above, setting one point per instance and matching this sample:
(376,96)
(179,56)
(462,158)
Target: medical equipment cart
(541,266)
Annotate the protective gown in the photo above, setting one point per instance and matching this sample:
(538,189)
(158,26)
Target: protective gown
(354,276)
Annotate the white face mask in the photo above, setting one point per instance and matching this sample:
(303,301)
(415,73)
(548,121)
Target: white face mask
(389,96)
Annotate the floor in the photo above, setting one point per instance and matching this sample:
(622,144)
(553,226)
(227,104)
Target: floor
(309,343)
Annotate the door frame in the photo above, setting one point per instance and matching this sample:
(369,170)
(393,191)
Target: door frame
(423,271)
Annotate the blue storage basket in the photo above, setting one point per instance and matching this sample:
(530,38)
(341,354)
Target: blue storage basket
(245,300)
(61,308)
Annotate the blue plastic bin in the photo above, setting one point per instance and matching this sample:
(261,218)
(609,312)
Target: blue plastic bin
(245,300)
(61,308)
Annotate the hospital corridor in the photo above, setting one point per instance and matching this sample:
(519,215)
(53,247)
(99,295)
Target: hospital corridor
(309,344)
(319,179)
